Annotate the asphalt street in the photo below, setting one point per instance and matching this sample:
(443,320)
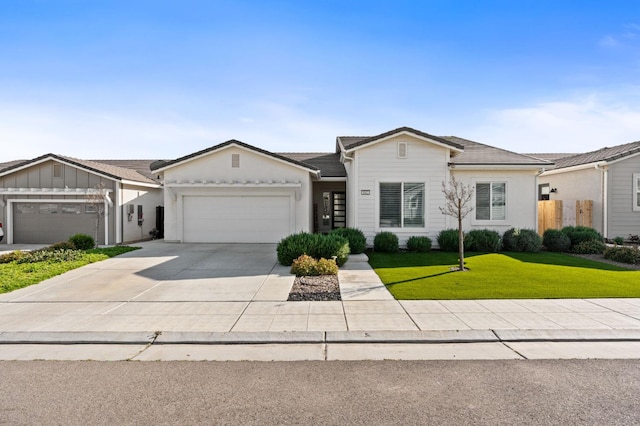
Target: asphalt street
(359,392)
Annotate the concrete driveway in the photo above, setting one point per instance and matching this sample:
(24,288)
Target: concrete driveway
(129,292)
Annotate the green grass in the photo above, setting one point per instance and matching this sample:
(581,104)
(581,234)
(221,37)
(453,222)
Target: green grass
(15,275)
(502,276)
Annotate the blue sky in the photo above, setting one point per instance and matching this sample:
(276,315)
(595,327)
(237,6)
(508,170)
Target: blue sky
(162,79)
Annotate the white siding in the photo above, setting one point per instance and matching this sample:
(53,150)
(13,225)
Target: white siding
(622,219)
(425,162)
(585,184)
(149,199)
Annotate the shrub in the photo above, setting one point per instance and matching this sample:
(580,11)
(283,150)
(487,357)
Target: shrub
(357,240)
(525,240)
(314,245)
(448,240)
(618,240)
(589,247)
(295,245)
(307,266)
(326,267)
(45,255)
(83,241)
(386,242)
(483,240)
(578,234)
(623,254)
(62,245)
(304,265)
(330,246)
(555,240)
(419,244)
(12,256)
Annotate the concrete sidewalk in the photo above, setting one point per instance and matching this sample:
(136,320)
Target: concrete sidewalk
(150,313)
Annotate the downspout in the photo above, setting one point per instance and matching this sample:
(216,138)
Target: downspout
(107,203)
(605,198)
(118,213)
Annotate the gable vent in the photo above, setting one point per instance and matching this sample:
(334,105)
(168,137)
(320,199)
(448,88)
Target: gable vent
(57,170)
(402,150)
(235,160)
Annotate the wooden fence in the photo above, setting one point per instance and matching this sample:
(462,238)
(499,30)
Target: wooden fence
(554,214)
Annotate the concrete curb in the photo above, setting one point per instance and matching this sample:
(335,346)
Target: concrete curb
(320,337)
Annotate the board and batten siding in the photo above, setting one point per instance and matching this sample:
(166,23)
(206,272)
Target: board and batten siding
(622,220)
(425,162)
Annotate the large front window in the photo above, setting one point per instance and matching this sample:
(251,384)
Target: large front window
(491,201)
(636,191)
(402,205)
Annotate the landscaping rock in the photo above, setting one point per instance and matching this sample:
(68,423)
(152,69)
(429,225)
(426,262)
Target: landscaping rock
(320,288)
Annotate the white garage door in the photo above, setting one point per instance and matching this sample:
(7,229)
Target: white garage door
(226,219)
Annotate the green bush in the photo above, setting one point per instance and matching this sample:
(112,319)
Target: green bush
(326,267)
(448,240)
(330,246)
(63,245)
(419,244)
(315,245)
(525,240)
(623,254)
(82,241)
(618,240)
(589,247)
(555,240)
(295,245)
(483,240)
(386,242)
(578,234)
(45,255)
(307,266)
(357,240)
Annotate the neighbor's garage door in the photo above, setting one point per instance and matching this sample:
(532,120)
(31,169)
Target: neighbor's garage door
(226,219)
(50,222)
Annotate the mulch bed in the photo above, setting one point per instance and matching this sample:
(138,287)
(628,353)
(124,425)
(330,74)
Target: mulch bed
(321,288)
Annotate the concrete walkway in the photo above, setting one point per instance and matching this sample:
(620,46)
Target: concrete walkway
(225,296)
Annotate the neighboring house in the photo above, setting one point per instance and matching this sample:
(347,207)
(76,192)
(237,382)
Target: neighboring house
(235,192)
(610,177)
(49,198)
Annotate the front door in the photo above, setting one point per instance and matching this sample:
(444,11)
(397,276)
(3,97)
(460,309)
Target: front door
(339,207)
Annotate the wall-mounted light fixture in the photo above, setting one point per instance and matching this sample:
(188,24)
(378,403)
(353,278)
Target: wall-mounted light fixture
(554,190)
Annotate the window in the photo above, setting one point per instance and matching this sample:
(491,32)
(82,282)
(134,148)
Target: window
(48,208)
(402,205)
(636,191)
(71,209)
(326,208)
(543,192)
(491,201)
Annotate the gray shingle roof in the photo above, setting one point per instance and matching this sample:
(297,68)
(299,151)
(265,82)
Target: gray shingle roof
(551,156)
(328,162)
(159,165)
(603,154)
(481,154)
(350,142)
(110,170)
(141,166)
(9,164)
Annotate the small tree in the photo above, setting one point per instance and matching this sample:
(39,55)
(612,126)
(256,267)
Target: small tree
(96,197)
(457,197)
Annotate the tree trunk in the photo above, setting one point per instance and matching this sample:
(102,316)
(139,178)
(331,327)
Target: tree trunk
(460,244)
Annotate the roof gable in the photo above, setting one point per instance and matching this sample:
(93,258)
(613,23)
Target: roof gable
(158,167)
(350,143)
(106,170)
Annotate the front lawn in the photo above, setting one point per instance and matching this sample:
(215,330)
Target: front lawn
(15,275)
(502,276)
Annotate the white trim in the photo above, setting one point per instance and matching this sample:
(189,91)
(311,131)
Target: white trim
(626,157)
(453,165)
(332,179)
(404,133)
(136,183)
(491,180)
(595,164)
(10,201)
(51,191)
(59,160)
(235,145)
(118,212)
(401,229)
(636,191)
(232,184)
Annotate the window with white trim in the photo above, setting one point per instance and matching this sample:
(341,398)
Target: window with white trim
(401,205)
(636,192)
(491,201)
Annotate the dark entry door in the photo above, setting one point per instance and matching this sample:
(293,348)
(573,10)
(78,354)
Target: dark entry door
(339,210)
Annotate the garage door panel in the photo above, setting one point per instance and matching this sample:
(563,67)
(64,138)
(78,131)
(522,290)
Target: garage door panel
(50,222)
(256,219)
